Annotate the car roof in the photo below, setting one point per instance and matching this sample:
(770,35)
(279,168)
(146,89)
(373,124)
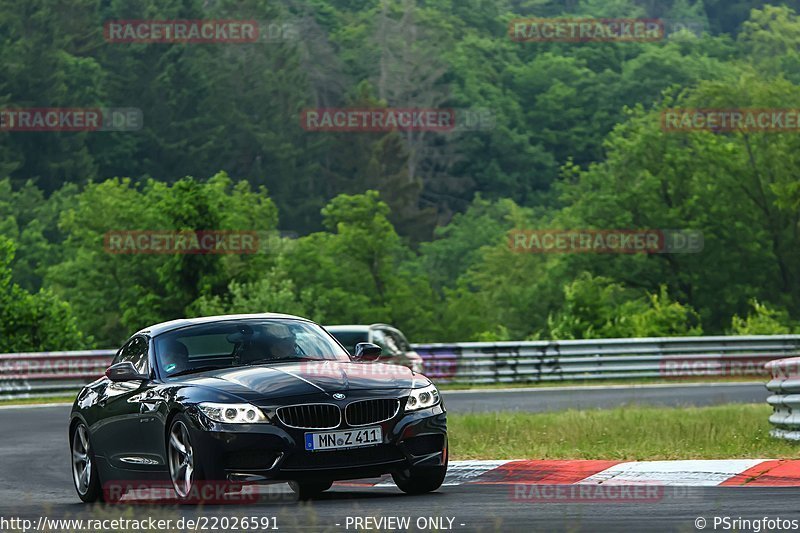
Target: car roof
(163,327)
(355,328)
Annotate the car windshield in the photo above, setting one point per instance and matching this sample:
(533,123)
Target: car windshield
(234,343)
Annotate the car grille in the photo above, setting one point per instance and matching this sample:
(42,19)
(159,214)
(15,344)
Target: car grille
(383,453)
(365,412)
(310,416)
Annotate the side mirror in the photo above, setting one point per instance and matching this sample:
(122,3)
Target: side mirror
(366,351)
(124,371)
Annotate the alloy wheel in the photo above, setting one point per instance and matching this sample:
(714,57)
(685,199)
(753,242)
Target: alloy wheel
(81,460)
(181,459)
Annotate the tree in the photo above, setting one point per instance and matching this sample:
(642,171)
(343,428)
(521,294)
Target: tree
(34,321)
(597,307)
(116,294)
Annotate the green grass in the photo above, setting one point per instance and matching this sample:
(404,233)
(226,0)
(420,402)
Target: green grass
(626,433)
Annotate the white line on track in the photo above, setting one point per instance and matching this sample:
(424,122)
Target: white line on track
(602,387)
(695,473)
(35,405)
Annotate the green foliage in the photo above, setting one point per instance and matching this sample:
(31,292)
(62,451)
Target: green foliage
(402,227)
(115,294)
(34,322)
(271,294)
(761,320)
(601,308)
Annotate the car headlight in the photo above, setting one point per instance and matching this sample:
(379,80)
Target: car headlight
(233,413)
(422,398)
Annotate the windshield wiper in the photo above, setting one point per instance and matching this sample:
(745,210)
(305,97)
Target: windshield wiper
(196,369)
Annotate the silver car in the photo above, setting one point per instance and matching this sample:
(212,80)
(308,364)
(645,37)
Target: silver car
(395,346)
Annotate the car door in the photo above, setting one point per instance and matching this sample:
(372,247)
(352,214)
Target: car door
(128,433)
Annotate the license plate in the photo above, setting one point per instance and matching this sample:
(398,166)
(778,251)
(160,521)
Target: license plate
(337,440)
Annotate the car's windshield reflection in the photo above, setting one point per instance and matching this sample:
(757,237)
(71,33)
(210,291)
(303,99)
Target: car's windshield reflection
(242,343)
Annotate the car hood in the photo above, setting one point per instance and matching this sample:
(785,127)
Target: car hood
(308,377)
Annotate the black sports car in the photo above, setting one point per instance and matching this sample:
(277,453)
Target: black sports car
(254,399)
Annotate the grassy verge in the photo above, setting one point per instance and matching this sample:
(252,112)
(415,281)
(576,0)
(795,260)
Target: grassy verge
(627,433)
(40,399)
(600,383)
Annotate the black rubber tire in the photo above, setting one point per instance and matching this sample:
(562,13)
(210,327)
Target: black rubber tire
(309,489)
(94,493)
(420,480)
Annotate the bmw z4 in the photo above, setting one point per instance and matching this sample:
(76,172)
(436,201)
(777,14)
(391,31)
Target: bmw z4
(254,399)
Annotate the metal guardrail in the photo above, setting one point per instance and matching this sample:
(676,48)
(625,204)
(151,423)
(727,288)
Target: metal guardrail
(42,374)
(602,359)
(785,398)
(48,373)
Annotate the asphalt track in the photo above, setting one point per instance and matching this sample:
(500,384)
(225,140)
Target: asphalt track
(35,480)
(604,397)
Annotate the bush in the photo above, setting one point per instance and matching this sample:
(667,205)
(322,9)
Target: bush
(761,320)
(33,322)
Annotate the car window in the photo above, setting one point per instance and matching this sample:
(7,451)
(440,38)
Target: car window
(387,343)
(135,351)
(398,339)
(200,346)
(349,339)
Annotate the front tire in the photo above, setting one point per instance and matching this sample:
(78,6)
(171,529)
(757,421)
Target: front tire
(420,480)
(184,472)
(308,490)
(84,471)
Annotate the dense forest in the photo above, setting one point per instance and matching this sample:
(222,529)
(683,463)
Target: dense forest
(405,227)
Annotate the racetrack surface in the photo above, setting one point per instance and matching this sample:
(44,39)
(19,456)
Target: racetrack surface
(35,479)
(603,397)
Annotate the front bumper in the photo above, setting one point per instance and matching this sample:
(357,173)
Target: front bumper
(252,453)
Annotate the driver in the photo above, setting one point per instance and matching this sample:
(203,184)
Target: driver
(277,344)
(282,347)
(175,357)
